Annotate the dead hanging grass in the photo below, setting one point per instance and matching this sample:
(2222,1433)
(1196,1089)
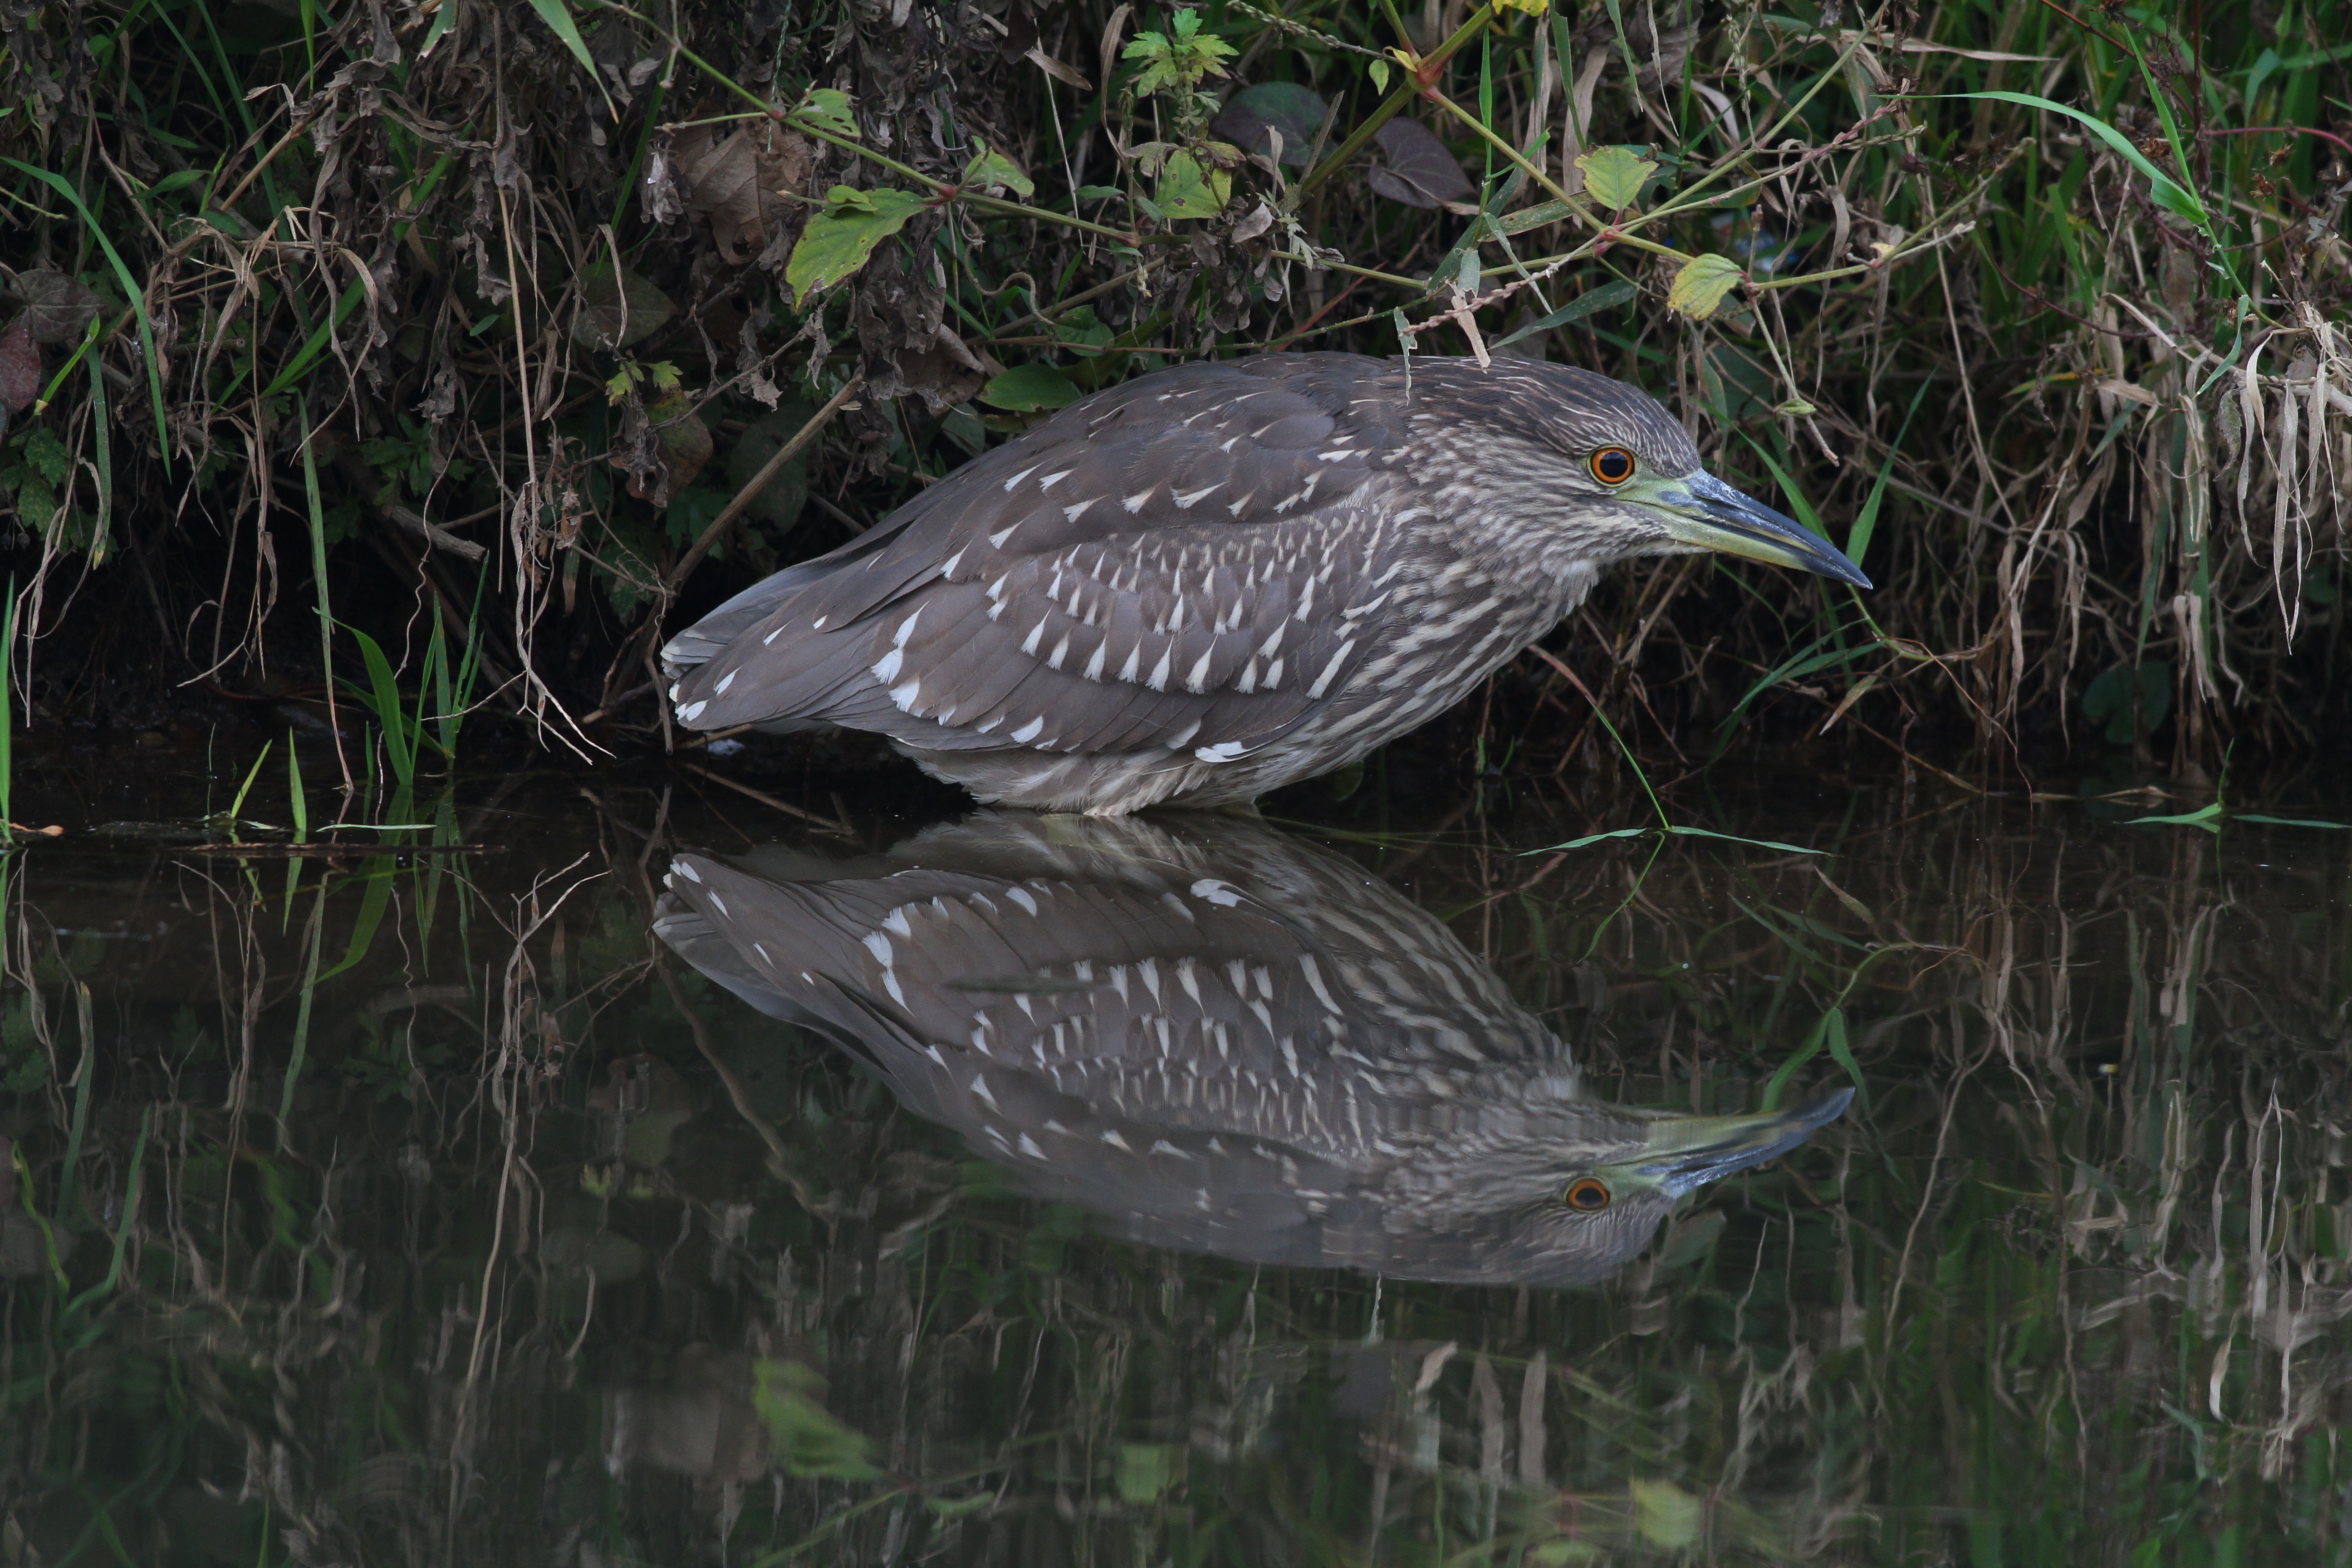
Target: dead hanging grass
(496,314)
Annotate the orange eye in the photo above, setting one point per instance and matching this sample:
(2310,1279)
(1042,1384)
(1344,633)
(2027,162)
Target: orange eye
(1587,1192)
(1611,466)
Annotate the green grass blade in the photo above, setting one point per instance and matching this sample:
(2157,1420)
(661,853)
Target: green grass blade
(237,806)
(1735,838)
(294,787)
(2170,194)
(382,695)
(316,344)
(559,22)
(1778,1084)
(303,1013)
(125,1224)
(1865,521)
(8,716)
(131,291)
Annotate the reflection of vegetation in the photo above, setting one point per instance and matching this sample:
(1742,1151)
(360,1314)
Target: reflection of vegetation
(534,1260)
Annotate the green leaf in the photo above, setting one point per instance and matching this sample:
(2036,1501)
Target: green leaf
(315,346)
(827,109)
(809,1440)
(1841,1053)
(382,694)
(1252,117)
(1665,1515)
(941,1507)
(994,173)
(1865,521)
(1735,838)
(1027,387)
(1614,176)
(1576,309)
(48,455)
(2293,821)
(1701,285)
(1179,58)
(2113,697)
(2170,193)
(443,20)
(1186,192)
(1595,839)
(1378,71)
(838,240)
(1147,1470)
(1828,1031)
(559,22)
(2208,817)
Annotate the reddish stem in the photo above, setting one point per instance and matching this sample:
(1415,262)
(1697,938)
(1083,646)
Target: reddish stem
(2280,130)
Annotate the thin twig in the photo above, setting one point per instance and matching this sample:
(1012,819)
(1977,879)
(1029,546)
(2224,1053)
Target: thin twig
(759,481)
(764,798)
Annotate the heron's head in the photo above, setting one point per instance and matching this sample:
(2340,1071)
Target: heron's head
(1583,1205)
(1610,460)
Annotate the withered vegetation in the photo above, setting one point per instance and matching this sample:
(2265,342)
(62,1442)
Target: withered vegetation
(493,316)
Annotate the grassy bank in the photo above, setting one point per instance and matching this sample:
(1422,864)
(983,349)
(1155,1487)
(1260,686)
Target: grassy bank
(475,327)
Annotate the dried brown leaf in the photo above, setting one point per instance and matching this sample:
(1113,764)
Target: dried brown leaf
(20,367)
(743,183)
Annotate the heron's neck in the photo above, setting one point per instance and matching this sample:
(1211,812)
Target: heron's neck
(1539,571)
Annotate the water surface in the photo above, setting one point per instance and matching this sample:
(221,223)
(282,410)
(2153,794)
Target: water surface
(493,1203)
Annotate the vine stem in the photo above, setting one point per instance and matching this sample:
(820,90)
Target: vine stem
(941,189)
(1418,73)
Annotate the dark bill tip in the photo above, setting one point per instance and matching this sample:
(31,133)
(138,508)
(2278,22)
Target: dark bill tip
(1741,525)
(1688,1152)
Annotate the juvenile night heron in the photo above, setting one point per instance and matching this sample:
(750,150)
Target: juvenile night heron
(1224,577)
(1215,1038)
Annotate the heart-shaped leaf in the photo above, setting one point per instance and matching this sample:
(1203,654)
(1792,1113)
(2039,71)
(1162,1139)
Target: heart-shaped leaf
(1294,112)
(618,307)
(1415,168)
(1614,176)
(779,504)
(686,439)
(838,240)
(1701,285)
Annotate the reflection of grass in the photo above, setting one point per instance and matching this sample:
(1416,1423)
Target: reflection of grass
(2017,1283)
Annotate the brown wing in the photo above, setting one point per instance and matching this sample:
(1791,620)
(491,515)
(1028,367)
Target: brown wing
(1184,560)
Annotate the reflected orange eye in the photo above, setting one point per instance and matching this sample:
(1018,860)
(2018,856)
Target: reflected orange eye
(1611,466)
(1587,1192)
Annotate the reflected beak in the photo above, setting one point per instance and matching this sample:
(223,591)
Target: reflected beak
(1688,1152)
(1706,513)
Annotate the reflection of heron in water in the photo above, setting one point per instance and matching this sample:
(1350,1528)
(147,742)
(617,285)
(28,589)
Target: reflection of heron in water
(1217,1037)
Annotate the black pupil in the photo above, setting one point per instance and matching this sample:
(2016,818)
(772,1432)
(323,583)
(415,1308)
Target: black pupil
(1612,466)
(1586,1195)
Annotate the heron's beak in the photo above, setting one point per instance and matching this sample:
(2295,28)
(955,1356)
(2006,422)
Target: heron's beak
(1703,511)
(1688,1152)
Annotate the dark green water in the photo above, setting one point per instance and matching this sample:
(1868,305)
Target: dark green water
(432,1208)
